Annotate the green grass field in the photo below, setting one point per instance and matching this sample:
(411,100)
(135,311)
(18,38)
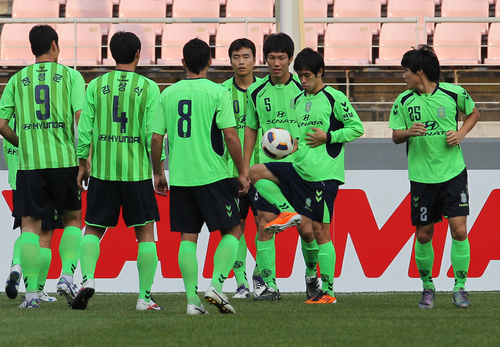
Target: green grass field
(370,319)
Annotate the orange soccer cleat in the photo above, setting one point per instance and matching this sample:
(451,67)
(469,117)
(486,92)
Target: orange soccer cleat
(285,220)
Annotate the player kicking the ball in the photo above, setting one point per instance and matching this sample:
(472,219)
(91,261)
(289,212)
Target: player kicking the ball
(425,117)
(309,185)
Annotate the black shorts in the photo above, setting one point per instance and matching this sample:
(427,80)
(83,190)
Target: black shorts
(38,191)
(51,221)
(430,202)
(214,204)
(313,200)
(137,200)
(246,202)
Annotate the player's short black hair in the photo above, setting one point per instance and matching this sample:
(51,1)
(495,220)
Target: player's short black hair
(309,60)
(278,43)
(196,55)
(41,37)
(422,58)
(238,44)
(124,45)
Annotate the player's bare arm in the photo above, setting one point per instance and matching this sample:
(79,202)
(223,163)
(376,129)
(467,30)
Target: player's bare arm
(248,146)
(453,138)
(161,184)
(316,138)
(7,132)
(234,148)
(83,174)
(400,136)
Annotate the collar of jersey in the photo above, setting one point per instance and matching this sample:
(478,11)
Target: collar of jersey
(238,87)
(289,80)
(435,90)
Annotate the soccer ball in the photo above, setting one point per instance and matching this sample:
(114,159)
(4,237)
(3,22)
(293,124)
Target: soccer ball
(277,143)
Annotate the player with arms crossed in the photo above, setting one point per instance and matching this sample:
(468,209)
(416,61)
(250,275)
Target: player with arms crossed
(425,116)
(198,118)
(46,98)
(270,105)
(242,59)
(326,120)
(117,120)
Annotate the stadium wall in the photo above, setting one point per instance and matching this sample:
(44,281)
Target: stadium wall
(371,229)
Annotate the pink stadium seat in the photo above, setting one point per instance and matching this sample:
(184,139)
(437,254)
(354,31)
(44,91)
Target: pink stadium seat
(348,44)
(175,37)
(316,9)
(144,9)
(35,9)
(412,8)
(88,41)
(359,8)
(231,31)
(15,45)
(457,43)
(466,8)
(197,9)
(91,9)
(256,8)
(311,36)
(493,45)
(395,40)
(146,34)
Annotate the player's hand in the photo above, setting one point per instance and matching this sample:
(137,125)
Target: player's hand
(315,139)
(453,138)
(161,184)
(417,129)
(83,177)
(244,184)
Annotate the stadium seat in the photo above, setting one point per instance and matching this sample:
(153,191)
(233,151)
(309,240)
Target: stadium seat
(493,45)
(175,37)
(395,40)
(144,9)
(197,9)
(359,8)
(466,8)
(15,48)
(35,9)
(311,36)
(91,9)
(348,44)
(458,43)
(146,34)
(412,8)
(257,9)
(231,31)
(316,9)
(88,40)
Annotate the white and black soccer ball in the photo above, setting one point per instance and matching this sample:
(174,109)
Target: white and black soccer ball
(277,143)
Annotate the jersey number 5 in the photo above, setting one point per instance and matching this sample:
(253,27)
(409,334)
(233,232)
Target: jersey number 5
(184,123)
(42,101)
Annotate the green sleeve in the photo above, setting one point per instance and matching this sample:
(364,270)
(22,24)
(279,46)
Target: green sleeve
(225,115)
(353,128)
(86,124)
(77,91)
(396,118)
(152,110)
(251,120)
(7,102)
(465,102)
(160,121)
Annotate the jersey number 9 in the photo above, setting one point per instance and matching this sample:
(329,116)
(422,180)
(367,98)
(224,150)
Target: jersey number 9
(42,101)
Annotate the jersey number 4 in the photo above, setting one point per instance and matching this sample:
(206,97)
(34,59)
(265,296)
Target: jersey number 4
(122,119)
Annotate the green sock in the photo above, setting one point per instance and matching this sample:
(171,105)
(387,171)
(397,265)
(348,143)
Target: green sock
(327,257)
(147,261)
(460,259)
(266,258)
(310,253)
(90,249)
(17,251)
(224,258)
(188,263)
(272,193)
(239,266)
(46,254)
(31,260)
(68,249)
(424,257)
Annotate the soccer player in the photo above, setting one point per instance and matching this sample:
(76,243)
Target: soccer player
(46,98)
(49,223)
(425,117)
(117,120)
(197,116)
(269,106)
(326,120)
(242,58)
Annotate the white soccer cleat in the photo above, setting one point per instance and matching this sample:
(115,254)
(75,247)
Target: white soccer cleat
(68,290)
(242,292)
(33,303)
(45,297)
(81,300)
(219,300)
(142,305)
(194,310)
(12,284)
(258,285)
